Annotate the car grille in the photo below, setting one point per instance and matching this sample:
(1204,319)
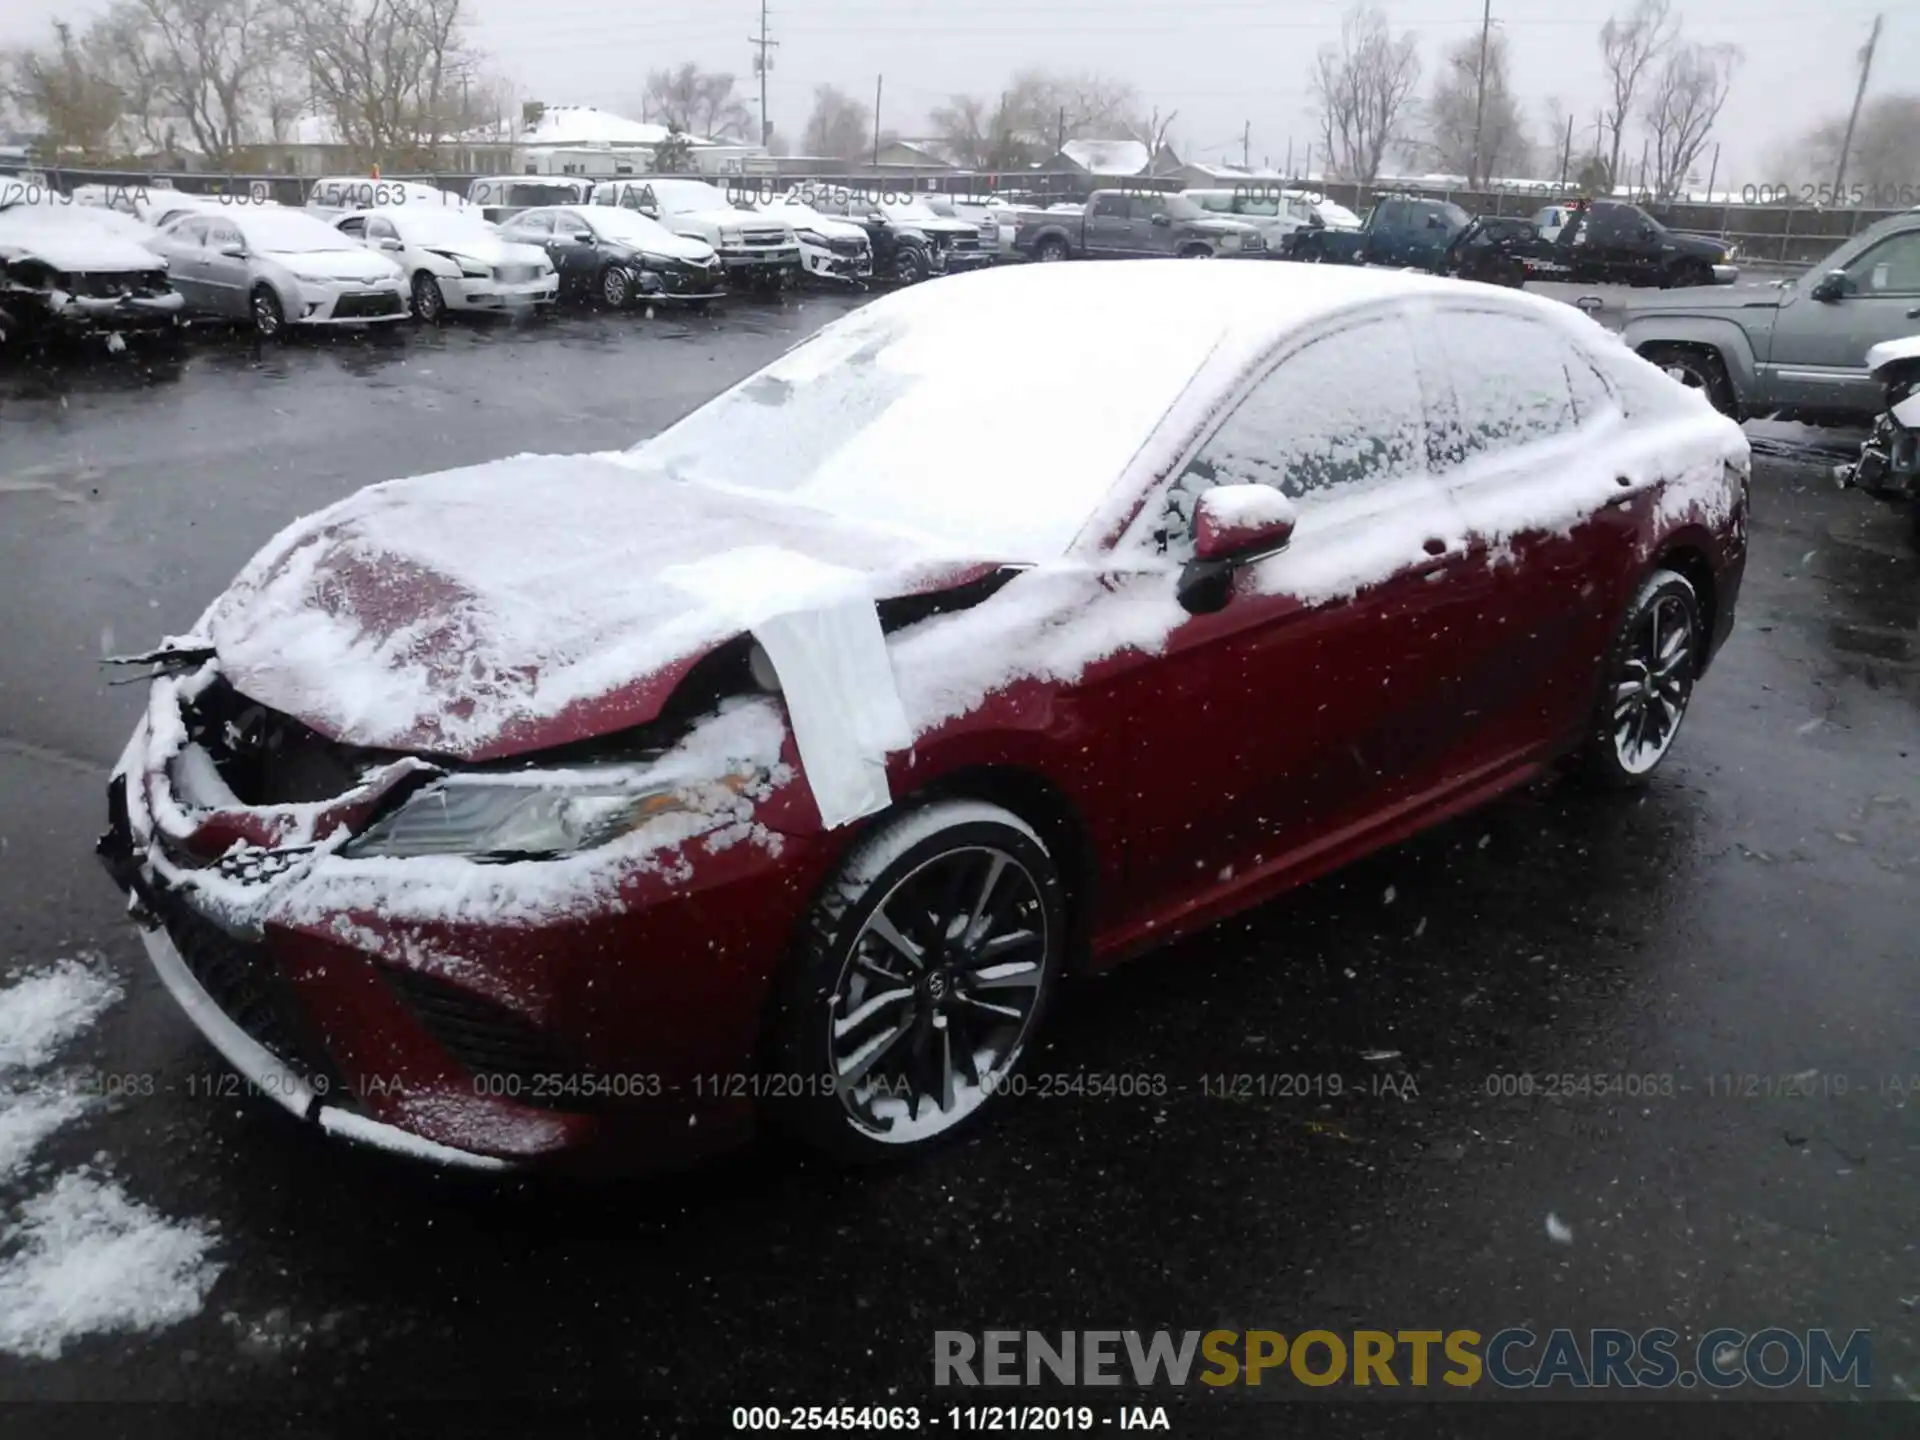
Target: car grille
(487,1040)
(241,979)
(679,280)
(517,274)
(362,305)
(761,238)
(847,245)
(114,284)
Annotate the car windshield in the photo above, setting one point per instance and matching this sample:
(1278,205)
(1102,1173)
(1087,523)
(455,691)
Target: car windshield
(915,209)
(681,195)
(1334,214)
(1180,208)
(286,232)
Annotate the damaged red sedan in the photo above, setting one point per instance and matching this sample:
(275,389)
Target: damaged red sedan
(590,810)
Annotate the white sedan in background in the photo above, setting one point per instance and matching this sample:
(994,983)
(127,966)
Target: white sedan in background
(275,267)
(454,260)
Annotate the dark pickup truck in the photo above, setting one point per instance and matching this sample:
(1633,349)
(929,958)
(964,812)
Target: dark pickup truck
(1610,240)
(1400,230)
(1129,224)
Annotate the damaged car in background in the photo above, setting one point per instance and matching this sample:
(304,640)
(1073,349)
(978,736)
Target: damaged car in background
(73,270)
(585,810)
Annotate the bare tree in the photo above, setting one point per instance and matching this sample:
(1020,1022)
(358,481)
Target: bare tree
(199,65)
(1880,160)
(1453,114)
(1363,90)
(839,126)
(389,73)
(64,95)
(965,127)
(1682,106)
(1627,50)
(701,102)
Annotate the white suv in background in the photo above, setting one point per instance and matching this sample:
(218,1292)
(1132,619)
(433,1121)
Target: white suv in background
(831,249)
(753,246)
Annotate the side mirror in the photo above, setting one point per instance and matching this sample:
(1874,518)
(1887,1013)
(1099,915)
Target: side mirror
(1831,286)
(1434,222)
(1232,524)
(389,242)
(1161,220)
(234,252)
(1646,231)
(583,237)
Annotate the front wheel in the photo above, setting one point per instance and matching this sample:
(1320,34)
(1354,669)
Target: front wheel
(1312,253)
(616,287)
(429,303)
(269,320)
(910,265)
(1698,369)
(1647,682)
(925,968)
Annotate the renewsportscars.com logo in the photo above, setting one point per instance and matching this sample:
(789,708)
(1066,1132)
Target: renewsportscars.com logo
(1510,1359)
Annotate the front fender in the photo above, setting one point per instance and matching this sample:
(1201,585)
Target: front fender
(1729,340)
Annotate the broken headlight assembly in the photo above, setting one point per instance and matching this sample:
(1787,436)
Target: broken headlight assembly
(502,818)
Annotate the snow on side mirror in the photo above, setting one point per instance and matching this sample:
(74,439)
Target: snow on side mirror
(1235,522)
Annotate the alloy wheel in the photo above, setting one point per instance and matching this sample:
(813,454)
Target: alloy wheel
(615,287)
(937,993)
(428,302)
(267,318)
(1655,682)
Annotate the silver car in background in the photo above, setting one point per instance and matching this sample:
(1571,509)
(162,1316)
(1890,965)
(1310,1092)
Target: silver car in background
(275,267)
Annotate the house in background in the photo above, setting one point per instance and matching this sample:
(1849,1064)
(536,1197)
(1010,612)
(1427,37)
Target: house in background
(1104,160)
(586,140)
(915,155)
(1194,175)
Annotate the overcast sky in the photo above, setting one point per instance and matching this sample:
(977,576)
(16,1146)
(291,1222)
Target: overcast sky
(1219,63)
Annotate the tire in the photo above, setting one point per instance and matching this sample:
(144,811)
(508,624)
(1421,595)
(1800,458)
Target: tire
(429,301)
(931,909)
(616,287)
(1051,249)
(1697,369)
(1646,684)
(1311,253)
(1197,252)
(269,319)
(910,265)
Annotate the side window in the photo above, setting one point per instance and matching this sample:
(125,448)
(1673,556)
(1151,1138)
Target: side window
(1109,205)
(1510,384)
(379,229)
(1390,215)
(566,224)
(535,223)
(1341,414)
(224,237)
(356,227)
(1592,396)
(1890,268)
(191,232)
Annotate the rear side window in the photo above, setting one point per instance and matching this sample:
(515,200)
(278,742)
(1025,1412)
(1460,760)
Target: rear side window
(1510,384)
(1342,413)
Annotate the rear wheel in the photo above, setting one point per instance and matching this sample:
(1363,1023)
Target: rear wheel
(269,320)
(1648,682)
(1197,252)
(1051,248)
(1311,251)
(1697,369)
(429,303)
(926,966)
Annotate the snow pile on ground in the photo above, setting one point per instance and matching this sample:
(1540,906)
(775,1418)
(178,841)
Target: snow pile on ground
(86,1259)
(80,1257)
(44,1011)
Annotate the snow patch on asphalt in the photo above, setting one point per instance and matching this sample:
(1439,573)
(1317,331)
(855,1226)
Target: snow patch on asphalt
(42,1012)
(27,1120)
(82,1259)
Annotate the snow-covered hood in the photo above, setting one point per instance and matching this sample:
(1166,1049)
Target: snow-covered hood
(362,265)
(934,224)
(669,245)
(1888,351)
(828,227)
(488,251)
(530,602)
(72,244)
(715,218)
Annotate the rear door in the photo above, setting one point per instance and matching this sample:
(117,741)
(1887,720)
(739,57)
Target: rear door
(1550,535)
(1296,717)
(1107,226)
(229,276)
(1818,357)
(184,245)
(1386,232)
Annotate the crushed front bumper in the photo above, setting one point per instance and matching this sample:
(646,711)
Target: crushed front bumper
(474,294)
(101,315)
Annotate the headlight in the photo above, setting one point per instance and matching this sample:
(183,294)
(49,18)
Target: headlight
(729,235)
(313,279)
(812,237)
(1229,242)
(474,270)
(486,817)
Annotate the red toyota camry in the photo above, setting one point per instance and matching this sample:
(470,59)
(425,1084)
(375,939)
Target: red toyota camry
(593,809)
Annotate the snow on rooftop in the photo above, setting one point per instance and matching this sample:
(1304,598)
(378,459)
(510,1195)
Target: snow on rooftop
(564,125)
(1108,157)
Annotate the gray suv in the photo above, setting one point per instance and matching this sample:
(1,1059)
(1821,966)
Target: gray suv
(1798,348)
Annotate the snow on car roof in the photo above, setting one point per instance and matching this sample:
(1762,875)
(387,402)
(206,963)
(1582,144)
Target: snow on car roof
(857,421)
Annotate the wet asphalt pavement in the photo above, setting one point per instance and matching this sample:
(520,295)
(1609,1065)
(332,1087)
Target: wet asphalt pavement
(1752,915)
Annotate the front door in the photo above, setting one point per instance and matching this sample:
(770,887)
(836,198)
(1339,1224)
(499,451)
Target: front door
(1107,228)
(1818,357)
(1291,718)
(225,269)
(184,245)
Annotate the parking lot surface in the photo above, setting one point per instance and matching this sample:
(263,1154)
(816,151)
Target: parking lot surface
(1751,915)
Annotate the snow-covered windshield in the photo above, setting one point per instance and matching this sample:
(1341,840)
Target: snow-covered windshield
(684,195)
(1181,208)
(288,232)
(909,210)
(1337,215)
(843,422)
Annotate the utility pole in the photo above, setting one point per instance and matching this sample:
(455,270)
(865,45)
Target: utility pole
(1289,157)
(1566,153)
(1713,172)
(762,62)
(1246,144)
(1061,143)
(1859,94)
(878,80)
(1480,95)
